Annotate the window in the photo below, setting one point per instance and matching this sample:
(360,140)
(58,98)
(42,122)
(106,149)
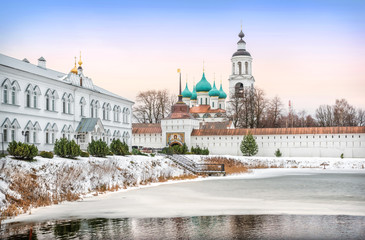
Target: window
(63,105)
(53,138)
(212,104)
(13,135)
(28,99)
(82,110)
(27,137)
(92,111)
(47,137)
(69,106)
(5,133)
(47,103)
(246,67)
(53,104)
(5,99)
(13,96)
(206,101)
(34,137)
(34,100)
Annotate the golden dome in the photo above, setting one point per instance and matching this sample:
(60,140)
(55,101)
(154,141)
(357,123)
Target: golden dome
(74,70)
(80,62)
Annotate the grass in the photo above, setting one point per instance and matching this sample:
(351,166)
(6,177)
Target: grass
(231,166)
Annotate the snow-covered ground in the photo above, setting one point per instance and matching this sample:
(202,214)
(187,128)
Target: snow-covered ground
(293,162)
(62,179)
(58,178)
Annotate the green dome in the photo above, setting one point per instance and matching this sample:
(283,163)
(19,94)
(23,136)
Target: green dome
(203,85)
(194,96)
(222,94)
(186,93)
(214,92)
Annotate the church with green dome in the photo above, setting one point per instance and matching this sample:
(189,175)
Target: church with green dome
(206,102)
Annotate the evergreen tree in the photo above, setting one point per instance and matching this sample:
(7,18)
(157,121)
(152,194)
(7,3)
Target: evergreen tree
(249,146)
(278,153)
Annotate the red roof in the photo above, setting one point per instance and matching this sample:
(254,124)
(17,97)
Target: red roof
(205,109)
(141,128)
(278,131)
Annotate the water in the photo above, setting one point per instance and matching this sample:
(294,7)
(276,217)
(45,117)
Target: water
(207,227)
(294,204)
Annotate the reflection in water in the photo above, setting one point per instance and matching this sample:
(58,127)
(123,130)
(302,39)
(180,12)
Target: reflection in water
(206,227)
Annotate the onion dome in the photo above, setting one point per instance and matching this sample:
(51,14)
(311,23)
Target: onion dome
(222,94)
(194,95)
(203,85)
(74,70)
(241,44)
(214,92)
(186,93)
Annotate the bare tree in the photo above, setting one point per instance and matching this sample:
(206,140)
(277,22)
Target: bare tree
(360,118)
(274,112)
(235,109)
(344,114)
(152,106)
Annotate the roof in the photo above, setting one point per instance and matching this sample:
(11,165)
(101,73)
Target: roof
(215,125)
(214,92)
(278,131)
(203,85)
(241,52)
(87,124)
(186,93)
(194,95)
(141,128)
(48,73)
(205,109)
(222,94)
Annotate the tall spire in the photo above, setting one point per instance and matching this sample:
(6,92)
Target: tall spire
(80,62)
(180,96)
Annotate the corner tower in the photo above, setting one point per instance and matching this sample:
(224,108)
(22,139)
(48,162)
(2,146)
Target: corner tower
(241,75)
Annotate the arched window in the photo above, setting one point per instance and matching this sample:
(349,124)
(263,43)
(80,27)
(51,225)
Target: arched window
(246,67)
(5,98)
(92,110)
(104,111)
(28,99)
(13,95)
(82,106)
(34,99)
(63,105)
(239,68)
(212,104)
(239,89)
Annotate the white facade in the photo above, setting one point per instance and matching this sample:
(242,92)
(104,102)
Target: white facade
(241,76)
(293,145)
(185,126)
(50,104)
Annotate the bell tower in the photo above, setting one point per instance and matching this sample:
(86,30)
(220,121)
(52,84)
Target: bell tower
(241,75)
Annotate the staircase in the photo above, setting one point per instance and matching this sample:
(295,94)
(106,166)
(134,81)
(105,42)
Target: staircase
(200,169)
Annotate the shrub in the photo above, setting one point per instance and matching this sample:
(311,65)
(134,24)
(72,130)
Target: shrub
(22,150)
(200,151)
(98,148)
(249,146)
(84,154)
(136,151)
(118,147)
(152,154)
(45,154)
(66,149)
(341,155)
(278,153)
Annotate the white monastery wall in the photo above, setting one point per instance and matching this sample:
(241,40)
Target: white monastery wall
(307,145)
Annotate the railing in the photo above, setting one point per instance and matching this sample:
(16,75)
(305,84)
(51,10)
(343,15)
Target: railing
(197,168)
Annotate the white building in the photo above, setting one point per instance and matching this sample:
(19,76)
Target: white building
(241,76)
(205,124)
(40,105)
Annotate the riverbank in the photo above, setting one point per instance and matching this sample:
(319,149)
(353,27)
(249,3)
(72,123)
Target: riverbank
(263,191)
(25,185)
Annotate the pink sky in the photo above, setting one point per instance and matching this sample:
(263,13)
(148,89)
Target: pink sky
(311,58)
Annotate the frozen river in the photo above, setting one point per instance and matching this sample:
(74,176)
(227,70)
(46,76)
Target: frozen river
(302,201)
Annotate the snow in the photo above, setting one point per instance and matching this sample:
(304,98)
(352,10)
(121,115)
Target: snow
(84,176)
(215,196)
(293,162)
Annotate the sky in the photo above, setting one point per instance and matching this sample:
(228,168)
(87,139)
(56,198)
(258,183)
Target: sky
(311,52)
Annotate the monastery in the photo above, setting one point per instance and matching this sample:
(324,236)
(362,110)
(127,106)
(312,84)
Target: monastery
(199,119)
